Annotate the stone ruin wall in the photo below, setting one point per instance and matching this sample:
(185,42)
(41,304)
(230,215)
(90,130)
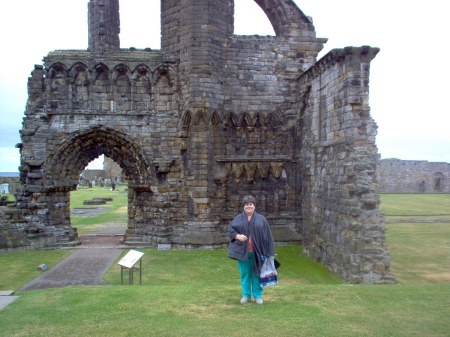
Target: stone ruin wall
(413,176)
(201,123)
(342,224)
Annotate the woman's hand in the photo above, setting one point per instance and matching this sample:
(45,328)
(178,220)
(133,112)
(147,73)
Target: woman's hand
(241,237)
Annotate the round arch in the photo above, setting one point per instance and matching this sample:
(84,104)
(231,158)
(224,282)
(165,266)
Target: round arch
(71,156)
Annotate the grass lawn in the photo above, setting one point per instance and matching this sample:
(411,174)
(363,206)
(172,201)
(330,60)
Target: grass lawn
(195,309)
(118,213)
(415,203)
(19,268)
(420,252)
(10,196)
(196,293)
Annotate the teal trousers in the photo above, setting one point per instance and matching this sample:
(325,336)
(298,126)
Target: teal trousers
(250,283)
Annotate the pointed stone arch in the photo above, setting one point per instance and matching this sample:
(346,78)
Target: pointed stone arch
(121,70)
(273,119)
(201,117)
(78,72)
(164,70)
(231,119)
(215,118)
(246,120)
(187,118)
(57,70)
(286,18)
(257,119)
(141,70)
(101,72)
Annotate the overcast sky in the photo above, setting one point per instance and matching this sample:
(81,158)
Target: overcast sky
(409,79)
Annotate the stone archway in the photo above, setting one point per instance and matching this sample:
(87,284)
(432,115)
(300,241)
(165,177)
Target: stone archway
(62,169)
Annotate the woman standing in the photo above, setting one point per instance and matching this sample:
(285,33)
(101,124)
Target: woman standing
(251,240)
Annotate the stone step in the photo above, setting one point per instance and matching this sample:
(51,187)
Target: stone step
(63,244)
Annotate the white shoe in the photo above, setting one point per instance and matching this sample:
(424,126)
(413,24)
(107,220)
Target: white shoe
(259,300)
(245,300)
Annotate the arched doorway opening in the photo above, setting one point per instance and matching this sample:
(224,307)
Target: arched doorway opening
(99,205)
(65,167)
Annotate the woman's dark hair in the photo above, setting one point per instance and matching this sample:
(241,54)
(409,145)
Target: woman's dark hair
(248,199)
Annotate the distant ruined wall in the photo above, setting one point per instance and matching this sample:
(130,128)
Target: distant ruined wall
(197,125)
(413,176)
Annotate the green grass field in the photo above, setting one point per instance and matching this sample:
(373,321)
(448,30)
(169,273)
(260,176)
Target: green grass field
(117,214)
(420,252)
(415,203)
(196,293)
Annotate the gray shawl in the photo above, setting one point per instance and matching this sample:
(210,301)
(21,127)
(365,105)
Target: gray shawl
(258,228)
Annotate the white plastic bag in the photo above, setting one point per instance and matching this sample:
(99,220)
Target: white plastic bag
(268,274)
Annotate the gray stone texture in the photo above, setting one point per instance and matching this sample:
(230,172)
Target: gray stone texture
(413,176)
(202,122)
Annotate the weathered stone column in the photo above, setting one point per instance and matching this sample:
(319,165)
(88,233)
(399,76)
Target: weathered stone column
(104,25)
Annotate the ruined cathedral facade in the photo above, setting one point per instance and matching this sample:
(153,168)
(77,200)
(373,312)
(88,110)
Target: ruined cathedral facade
(197,125)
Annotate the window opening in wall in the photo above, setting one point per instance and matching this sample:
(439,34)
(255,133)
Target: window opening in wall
(140,24)
(250,19)
(438,181)
(99,205)
(438,184)
(422,186)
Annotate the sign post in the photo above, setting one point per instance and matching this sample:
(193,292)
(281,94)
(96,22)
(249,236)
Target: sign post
(128,262)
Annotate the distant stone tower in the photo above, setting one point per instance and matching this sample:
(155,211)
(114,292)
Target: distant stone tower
(112,170)
(197,125)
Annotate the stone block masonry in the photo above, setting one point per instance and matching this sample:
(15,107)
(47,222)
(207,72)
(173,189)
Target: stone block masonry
(202,122)
(413,176)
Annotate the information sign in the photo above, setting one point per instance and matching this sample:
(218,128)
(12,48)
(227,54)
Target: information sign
(130,259)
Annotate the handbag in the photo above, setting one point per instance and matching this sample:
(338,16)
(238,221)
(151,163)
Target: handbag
(268,276)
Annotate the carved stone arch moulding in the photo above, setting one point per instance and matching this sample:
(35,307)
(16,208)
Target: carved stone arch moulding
(256,119)
(101,72)
(56,70)
(231,119)
(245,120)
(71,156)
(201,117)
(121,70)
(215,118)
(78,69)
(187,118)
(166,70)
(141,70)
(273,119)
(235,168)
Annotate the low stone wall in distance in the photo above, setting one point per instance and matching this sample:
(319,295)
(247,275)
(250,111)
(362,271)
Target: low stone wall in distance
(413,176)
